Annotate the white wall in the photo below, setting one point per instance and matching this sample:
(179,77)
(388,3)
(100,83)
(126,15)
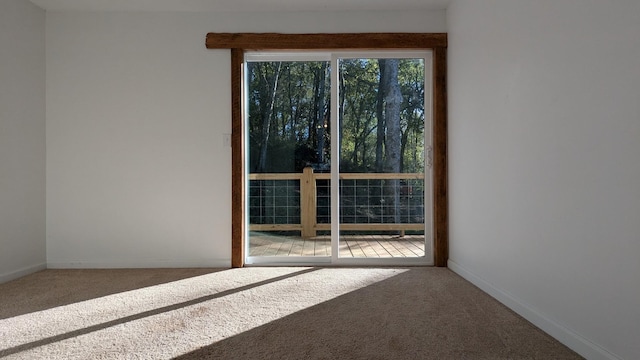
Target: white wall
(22,139)
(137,174)
(545,163)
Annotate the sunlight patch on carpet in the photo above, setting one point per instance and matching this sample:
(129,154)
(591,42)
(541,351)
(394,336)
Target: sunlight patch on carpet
(171,319)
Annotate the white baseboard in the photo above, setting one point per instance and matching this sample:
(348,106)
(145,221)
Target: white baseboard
(140,264)
(22,272)
(571,339)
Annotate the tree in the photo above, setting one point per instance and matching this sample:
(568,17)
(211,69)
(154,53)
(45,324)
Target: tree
(393,139)
(393,101)
(268,115)
(321,121)
(380,129)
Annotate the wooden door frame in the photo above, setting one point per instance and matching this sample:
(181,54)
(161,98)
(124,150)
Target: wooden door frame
(238,43)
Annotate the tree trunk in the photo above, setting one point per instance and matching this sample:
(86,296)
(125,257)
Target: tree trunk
(403,147)
(393,101)
(393,143)
(266,119)
(341,116)
(380,114)
(320,112)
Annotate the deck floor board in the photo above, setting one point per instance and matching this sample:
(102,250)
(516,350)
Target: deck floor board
(359,246)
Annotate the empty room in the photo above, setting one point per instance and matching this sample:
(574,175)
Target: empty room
(166,171)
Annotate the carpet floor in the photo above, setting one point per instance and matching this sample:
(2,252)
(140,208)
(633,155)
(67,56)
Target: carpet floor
(262,313)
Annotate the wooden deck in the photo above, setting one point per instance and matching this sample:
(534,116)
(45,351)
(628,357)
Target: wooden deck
(357,246)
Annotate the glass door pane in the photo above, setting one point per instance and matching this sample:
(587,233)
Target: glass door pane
(384,146)
(287,98)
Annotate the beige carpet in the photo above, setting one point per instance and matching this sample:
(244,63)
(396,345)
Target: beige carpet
(262,313)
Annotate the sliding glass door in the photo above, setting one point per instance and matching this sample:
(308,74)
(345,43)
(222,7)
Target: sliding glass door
(359,120)
(382,212)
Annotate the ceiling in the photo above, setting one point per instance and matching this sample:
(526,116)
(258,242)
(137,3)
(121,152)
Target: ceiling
(241,5)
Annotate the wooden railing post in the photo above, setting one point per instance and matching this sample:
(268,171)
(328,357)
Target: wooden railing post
(308,203)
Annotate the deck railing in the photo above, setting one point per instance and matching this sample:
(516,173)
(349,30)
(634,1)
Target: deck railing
(308,203)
